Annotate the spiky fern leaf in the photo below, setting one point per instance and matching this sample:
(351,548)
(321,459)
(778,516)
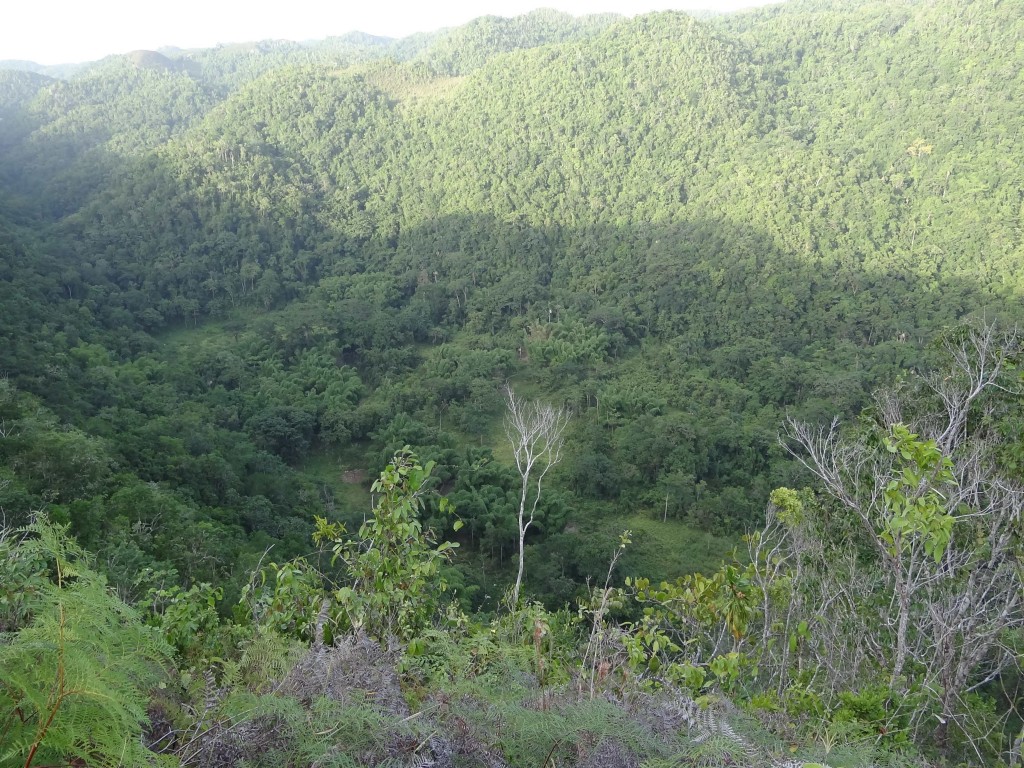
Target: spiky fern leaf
(716,750)
(528,726)
(279,731)
(267,659)
(73,683)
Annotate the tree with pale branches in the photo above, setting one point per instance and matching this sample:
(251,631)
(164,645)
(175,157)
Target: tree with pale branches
(916,571)
(536,434)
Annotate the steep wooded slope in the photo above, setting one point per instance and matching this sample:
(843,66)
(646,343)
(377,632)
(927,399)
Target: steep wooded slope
(682,228)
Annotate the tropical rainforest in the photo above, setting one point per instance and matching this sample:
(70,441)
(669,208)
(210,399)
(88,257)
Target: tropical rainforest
(268,312)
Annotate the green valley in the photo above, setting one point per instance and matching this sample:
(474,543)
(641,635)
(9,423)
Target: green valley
(240,285)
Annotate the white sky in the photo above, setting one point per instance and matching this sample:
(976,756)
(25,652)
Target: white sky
(60,31)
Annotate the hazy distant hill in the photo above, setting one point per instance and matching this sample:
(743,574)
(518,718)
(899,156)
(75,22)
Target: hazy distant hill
(51,70)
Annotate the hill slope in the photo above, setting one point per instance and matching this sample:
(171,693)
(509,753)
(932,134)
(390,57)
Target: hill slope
(682,229)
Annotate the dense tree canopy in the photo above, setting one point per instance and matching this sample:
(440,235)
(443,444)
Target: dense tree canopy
(235,273)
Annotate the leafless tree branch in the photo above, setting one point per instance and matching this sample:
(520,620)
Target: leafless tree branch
(536,433)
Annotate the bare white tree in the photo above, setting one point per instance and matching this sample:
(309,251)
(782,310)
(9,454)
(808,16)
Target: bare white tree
(536,433)
(943,623)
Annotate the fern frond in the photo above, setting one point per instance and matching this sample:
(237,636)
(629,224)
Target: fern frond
(267,659)
(77,676)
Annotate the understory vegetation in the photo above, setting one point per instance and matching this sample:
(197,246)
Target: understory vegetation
(545,391)
(876,621)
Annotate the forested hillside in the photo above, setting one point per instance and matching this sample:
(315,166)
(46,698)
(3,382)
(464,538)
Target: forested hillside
(234,282)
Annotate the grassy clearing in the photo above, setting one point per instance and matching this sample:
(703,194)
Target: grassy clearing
(337,469)
(207,333)
(663,551)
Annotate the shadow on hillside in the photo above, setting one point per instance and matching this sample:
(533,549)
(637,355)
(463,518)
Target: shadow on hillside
(172,242)
(732,329)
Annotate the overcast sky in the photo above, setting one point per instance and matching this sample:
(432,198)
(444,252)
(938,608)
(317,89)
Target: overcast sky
(60,31)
